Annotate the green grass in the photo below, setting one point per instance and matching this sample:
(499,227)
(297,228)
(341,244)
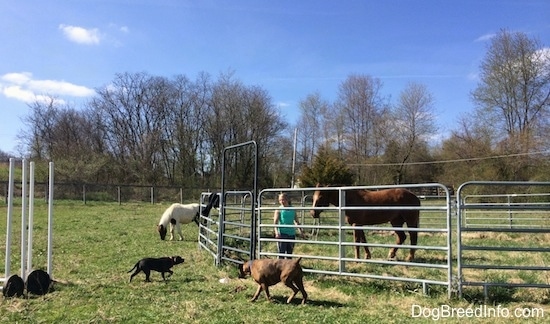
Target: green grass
(97,243)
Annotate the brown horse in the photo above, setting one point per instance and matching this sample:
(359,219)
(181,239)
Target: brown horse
(387,198)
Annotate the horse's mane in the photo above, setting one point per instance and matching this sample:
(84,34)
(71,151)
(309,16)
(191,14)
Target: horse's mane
(213,202)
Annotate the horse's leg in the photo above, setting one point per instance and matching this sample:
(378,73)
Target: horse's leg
(413,223)
(178,228)
(401,236)
(171,232)
(315,231)
(359,237)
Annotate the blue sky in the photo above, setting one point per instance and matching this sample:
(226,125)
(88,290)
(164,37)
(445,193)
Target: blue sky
(290,48)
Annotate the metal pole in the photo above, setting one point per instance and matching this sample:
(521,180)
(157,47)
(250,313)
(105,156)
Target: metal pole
(31,215)
(50,221)
(294,158)
(23,217)
(9,219)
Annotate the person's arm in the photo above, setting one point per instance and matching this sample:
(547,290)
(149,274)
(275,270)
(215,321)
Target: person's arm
(276,221)
(299,228)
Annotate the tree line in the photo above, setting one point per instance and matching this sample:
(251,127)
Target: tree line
(154,130)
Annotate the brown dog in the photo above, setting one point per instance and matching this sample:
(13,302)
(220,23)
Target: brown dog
(268,272)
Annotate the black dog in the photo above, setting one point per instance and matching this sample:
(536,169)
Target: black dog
(161,265)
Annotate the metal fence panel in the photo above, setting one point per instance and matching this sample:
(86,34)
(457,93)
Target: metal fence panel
(509,220)
(332,238)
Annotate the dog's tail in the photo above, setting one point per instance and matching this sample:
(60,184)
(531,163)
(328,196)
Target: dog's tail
(135,266)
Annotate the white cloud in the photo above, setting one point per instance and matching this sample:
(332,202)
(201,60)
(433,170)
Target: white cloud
(22,86)
(15,92)
(81,35)
(17,78)
(27,96)
(282,104)
(544,54)
(485,37)
(473,76)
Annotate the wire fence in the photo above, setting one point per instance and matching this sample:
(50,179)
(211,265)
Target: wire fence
(121,193)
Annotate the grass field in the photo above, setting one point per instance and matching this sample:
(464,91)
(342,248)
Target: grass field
(97,243)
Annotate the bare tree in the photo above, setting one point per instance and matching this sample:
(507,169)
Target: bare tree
(363,108)
(237,114)
(40,124)
(514,95)
(183,133)
(514,89)
(311,127)
(413,125)
(67,136)
(132,111)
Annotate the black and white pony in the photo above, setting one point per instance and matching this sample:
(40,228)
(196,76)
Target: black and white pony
(178,214)
(175,215)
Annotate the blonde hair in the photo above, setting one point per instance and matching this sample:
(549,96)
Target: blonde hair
(285,196)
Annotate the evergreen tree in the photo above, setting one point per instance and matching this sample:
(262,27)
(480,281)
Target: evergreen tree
(327,169)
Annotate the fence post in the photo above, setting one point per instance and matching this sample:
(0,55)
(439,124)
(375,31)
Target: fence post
(84,193)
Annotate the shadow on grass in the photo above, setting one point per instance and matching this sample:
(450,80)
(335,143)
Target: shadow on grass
(298,302)
(60,285)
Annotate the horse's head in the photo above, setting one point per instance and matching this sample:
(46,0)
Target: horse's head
(319,200)
(162,231)
(213,202)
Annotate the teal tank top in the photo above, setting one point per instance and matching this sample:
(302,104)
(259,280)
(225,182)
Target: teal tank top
(286,217)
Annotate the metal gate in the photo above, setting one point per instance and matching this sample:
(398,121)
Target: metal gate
(329,249)
(509,221)
(231,236)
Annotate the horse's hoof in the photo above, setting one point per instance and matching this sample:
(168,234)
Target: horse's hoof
(392,258)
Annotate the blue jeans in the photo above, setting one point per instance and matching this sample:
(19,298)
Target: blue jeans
(286,247)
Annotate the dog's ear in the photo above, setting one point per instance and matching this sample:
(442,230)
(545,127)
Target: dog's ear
(241,270)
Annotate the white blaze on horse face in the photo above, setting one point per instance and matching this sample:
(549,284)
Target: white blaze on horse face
(316,196)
